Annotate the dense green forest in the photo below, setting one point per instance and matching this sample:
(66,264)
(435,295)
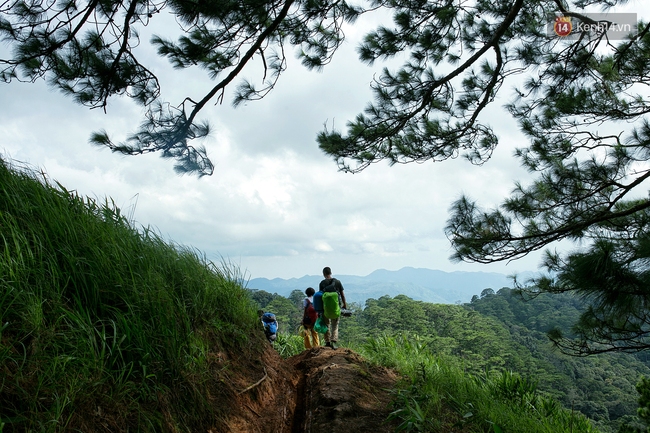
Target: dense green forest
(497,331)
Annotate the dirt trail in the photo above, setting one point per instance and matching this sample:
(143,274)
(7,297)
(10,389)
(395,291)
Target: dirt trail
(319,390)
(341,392)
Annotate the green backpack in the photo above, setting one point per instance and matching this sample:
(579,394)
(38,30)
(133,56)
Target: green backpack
(319,326)
(331,307)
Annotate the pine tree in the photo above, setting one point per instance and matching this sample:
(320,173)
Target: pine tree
(87,49)
(582,103)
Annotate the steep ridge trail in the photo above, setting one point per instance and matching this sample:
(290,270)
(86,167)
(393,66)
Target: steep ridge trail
(320,390)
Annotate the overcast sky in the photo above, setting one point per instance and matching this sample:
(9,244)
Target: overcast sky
(275,206)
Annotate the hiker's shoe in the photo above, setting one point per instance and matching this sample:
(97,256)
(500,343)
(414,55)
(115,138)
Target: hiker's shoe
(328,344)
(333,345)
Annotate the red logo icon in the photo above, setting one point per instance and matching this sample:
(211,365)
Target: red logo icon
(562,26)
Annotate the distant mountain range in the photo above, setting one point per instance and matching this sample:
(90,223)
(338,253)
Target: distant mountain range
(417,283)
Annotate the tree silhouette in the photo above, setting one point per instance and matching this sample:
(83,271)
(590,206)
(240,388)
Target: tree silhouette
(88,50)
(580,100)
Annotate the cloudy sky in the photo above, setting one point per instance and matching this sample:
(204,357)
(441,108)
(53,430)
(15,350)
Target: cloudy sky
(276,206)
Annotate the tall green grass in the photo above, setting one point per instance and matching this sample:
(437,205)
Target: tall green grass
(288,345)
(440,396)
(103,323)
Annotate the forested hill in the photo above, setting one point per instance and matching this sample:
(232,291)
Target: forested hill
(417,283)
(496,331)
(600,386)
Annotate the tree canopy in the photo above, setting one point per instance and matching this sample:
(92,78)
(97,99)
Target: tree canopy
(580,99)
(88,49)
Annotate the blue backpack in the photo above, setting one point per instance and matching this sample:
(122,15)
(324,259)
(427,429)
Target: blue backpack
(270,323)
(318,302)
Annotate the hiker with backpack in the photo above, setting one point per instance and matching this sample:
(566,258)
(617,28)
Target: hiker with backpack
(309,318)
(270,325)
(333,298)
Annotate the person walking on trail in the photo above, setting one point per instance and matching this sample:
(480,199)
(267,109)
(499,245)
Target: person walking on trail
(333,300)
(270,325)
(309,317)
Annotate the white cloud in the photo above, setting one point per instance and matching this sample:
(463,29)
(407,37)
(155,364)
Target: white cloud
(276,206)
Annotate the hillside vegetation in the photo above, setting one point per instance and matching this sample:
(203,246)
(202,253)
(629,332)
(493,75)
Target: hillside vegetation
(108,328)
(497,333)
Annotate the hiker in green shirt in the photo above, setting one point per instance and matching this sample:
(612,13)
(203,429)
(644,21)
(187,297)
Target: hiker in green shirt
(332,306)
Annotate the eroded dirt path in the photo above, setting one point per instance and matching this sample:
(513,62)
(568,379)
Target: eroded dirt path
(340,392)
(318,391)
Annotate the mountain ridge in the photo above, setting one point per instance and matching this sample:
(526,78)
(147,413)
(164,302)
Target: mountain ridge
(422,284)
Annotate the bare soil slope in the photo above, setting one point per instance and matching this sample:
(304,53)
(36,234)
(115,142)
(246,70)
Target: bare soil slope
(319,390)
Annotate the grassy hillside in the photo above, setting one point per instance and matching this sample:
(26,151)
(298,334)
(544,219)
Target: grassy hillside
(441,396)
(104,327)
(499,332)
